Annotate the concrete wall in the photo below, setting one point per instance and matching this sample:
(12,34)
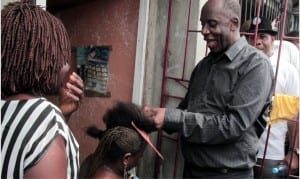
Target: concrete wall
(103,22)
(155,57)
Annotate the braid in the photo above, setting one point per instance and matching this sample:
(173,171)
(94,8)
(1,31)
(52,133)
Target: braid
(34,48)
(114,143)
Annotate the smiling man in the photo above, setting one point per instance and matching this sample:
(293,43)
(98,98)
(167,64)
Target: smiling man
(228,93)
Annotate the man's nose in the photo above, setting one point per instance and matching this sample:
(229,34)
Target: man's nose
(258,42)
(205,30)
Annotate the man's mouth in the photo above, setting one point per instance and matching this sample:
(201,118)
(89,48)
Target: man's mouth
(211,43)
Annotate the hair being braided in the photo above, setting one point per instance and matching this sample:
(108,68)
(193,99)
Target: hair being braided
(114,143)
(34,48)
(121,114)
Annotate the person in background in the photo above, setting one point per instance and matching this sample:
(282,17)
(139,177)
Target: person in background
(35,139)
(287,47)
(294,33)
(287,82)
(121,144)
(228,97)
(245,27)
(289,52)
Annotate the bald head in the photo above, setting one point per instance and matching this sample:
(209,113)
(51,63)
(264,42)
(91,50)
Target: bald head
(230,8)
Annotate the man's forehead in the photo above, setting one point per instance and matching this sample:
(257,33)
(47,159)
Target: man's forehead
(263,33)
(211,12)
(211,16)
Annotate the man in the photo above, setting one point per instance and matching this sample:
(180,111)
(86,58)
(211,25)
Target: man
(228,92)
(287,82)
(295,34)
(289,51)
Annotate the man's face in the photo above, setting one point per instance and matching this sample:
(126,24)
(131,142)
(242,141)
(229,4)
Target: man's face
(216,26)
(264,42)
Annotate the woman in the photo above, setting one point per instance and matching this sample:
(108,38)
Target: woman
(121,146)
(36,141)
(120,150)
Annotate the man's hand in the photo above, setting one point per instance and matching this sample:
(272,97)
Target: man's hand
(71,95)
(157,115)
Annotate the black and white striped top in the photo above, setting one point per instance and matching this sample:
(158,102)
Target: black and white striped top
(27,129)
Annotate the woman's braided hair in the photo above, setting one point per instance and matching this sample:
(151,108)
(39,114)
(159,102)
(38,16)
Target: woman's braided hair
(114,143)
(34,48)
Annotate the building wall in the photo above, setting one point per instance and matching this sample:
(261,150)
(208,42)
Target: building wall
(111,23)
(155,78)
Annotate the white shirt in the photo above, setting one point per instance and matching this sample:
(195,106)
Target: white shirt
(291,53)
(287,83)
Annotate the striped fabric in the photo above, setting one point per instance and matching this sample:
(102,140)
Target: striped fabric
(27,129)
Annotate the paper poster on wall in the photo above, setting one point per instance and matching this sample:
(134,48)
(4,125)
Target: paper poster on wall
(93,67)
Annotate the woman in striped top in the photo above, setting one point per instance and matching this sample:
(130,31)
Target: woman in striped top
(35,139)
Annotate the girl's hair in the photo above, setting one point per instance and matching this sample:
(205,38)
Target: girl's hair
(123,113)
(34,48)
(114,143)
(119,137)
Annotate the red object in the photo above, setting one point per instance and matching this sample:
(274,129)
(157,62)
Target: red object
(147,139)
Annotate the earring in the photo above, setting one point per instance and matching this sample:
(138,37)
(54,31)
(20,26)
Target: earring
(125,171)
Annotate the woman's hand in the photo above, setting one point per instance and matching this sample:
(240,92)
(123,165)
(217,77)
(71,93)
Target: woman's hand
(71,95)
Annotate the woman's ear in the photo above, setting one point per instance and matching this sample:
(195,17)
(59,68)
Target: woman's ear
(127,158)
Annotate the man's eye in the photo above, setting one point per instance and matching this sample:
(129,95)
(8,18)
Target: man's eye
(212,23)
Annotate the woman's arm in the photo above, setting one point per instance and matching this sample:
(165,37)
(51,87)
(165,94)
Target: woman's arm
(53,163)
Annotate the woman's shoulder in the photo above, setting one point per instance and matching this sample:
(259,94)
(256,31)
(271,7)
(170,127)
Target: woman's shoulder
(106,174)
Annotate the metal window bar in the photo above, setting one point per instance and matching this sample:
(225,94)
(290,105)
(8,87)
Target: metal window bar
(268,8)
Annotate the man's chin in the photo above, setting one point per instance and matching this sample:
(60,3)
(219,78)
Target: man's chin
(215,50)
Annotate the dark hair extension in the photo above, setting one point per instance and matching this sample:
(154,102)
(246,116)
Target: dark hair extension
(123,113)
(94,132)
(34,48)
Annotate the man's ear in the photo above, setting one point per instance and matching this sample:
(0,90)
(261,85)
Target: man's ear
(234,23)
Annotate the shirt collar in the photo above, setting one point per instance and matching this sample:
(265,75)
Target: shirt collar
(236,47)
